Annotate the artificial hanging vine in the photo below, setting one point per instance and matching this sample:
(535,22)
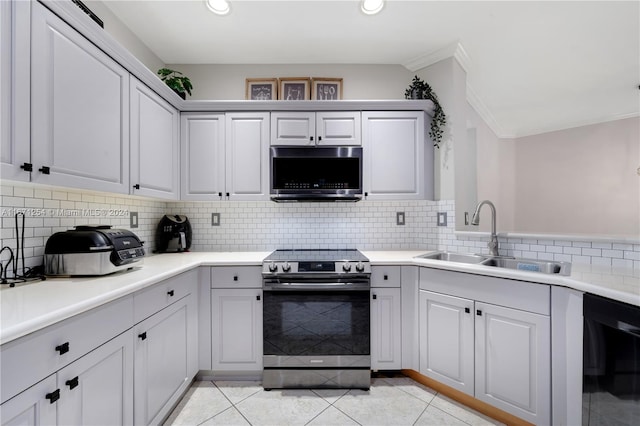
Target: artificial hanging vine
(421,90)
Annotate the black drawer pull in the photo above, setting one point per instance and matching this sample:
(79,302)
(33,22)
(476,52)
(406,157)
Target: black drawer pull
(467,310)
(235,278)
(142,336)
(45,170)
(53,396)
(72,383)
(63,348)
(375,297)
(386,277)
(258,297)
(170,293)
(227,195)
(319,138)
(479,312)
(27,167)
(311,138)
(136,186)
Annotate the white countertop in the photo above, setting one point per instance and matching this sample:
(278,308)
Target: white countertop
(29,307)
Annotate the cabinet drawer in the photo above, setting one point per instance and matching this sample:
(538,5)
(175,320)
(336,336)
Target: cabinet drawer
(149,301)
(30,359)
(385,276)
(236,277)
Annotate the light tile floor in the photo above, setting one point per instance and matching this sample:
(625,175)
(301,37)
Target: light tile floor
(393,401)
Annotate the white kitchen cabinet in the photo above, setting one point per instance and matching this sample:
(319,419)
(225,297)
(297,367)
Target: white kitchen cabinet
(15,86)
(316,128)
(155,139)
(33,407)
(79,109)
(236,319)
(490,338)
(225,156)
(165,359)
(447,340)
(166,347)
(397,164)
(247,156)
(202,156)
(386,331)
(95,389)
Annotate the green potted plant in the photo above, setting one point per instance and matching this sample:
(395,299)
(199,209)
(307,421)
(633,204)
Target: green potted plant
(176,81)
(421,90)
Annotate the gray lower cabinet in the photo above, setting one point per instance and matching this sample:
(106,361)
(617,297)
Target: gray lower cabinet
(490,338)
(386,318)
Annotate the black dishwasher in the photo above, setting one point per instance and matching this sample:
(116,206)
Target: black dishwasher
(611,368)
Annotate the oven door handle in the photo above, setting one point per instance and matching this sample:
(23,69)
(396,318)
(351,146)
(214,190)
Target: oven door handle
(331,286)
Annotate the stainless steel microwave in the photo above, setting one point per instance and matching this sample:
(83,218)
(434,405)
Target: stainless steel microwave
(317,173)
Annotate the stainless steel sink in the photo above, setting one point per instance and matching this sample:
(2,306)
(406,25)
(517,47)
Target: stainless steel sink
(529,265)
(453,257)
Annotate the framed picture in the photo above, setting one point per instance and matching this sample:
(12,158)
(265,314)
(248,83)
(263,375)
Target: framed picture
(261,89)
(326,89)
(294,88)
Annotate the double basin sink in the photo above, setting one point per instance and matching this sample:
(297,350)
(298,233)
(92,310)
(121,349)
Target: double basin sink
(529,265)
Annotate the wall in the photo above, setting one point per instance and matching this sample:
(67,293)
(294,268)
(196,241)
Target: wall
(227,82)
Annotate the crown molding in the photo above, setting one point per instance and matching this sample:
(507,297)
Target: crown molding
(485,114)
(454,50)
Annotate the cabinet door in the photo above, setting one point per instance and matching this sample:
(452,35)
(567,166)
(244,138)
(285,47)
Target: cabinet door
(247,156)
(293,128)
(394,156)
(338,128)
(31,407)
(162,354)
(446,340)
(513,361)
(236,329)
(79,109)
(203,158)
(154,144)
(97,389)
(386,331)
(14,89)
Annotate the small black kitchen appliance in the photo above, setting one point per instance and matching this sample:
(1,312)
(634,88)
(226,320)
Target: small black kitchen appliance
(173,234)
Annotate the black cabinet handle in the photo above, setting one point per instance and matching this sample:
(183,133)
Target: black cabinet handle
(235,278)
(311,138)
(170,293)
(220,194)
(375,297)
(136,186)
(53,396)
(386,277)
(45,170)
(319,138)
(72,383)
(258,297)
(366,194)
(227,195)
(479,312)
(142,336)
(467,310)
(63,348)
(27,167)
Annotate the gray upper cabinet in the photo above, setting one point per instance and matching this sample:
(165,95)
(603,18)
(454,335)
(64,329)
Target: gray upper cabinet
(71,80)
(155,139)
(305,128)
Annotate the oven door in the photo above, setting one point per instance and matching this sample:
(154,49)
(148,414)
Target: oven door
(316,325)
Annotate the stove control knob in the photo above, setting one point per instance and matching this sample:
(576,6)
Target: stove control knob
(286,267)
(360,267)
(273,267)
(346,267)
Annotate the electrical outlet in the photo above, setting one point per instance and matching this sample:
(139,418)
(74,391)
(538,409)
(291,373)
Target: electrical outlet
(133,219)
(215,219)
(442,218)
(400,218)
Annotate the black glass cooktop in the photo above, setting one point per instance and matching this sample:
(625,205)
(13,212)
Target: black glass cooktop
(316,255)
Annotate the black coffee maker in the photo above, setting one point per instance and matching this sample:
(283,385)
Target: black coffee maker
(173,234)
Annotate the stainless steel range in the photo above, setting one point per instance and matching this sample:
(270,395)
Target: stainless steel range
(316,319)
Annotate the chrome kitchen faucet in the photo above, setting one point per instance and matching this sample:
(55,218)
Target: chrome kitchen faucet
(475,220)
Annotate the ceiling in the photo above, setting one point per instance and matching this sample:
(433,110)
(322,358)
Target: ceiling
(531,66)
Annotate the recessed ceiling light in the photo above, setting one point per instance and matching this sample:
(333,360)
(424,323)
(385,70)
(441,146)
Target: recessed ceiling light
(371,7)
(219,7)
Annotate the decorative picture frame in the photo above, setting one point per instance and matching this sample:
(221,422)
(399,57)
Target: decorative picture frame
(261,89)
(329,89)
(294,88)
